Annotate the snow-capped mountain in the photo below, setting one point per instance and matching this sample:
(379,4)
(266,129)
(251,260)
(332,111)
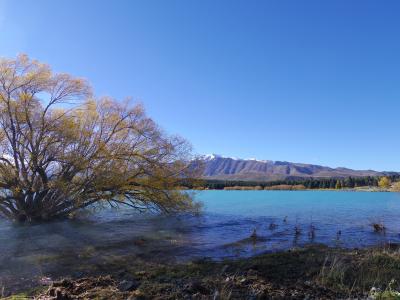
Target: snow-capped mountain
(230,168)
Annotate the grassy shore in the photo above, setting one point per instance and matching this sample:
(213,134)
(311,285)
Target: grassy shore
(313,272)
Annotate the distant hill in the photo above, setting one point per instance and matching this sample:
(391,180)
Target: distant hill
(227,168)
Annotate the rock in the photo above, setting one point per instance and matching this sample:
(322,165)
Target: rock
(141,273)
(128,285)
(45,281)
(57,294)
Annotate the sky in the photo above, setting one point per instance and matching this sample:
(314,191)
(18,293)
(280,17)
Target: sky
(301,81)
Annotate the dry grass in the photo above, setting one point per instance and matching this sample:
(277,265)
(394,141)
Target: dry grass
(298,187)
(316,272)
(332,272)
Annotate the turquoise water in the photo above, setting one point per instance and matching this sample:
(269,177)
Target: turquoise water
(337,218)
(91,243)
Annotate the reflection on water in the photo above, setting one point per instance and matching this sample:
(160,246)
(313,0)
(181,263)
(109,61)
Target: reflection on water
(279,220)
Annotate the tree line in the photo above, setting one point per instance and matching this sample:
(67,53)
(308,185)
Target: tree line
(308,183)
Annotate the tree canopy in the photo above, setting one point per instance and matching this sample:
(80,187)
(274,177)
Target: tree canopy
(384,182)
(62,149)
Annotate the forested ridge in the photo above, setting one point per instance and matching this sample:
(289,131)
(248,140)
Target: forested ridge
(308,183)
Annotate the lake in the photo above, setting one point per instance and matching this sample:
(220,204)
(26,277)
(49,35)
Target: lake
(29,252)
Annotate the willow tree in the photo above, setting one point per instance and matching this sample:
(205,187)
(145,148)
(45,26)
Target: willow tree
(62,150)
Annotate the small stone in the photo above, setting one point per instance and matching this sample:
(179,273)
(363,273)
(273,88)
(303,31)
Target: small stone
(216,295)
(45,281)
(141,273)
(127,285)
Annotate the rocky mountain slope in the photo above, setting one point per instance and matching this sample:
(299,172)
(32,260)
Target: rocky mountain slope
(226,168)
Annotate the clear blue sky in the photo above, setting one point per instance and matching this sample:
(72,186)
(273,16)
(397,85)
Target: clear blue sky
(303,81)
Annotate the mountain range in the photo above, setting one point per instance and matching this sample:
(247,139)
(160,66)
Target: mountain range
(228,168)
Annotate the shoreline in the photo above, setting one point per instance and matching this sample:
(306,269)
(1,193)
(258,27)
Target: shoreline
(313,272)
(371,190)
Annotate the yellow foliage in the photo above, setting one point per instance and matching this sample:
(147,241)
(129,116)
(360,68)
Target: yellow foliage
(64,150)
(384,182)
